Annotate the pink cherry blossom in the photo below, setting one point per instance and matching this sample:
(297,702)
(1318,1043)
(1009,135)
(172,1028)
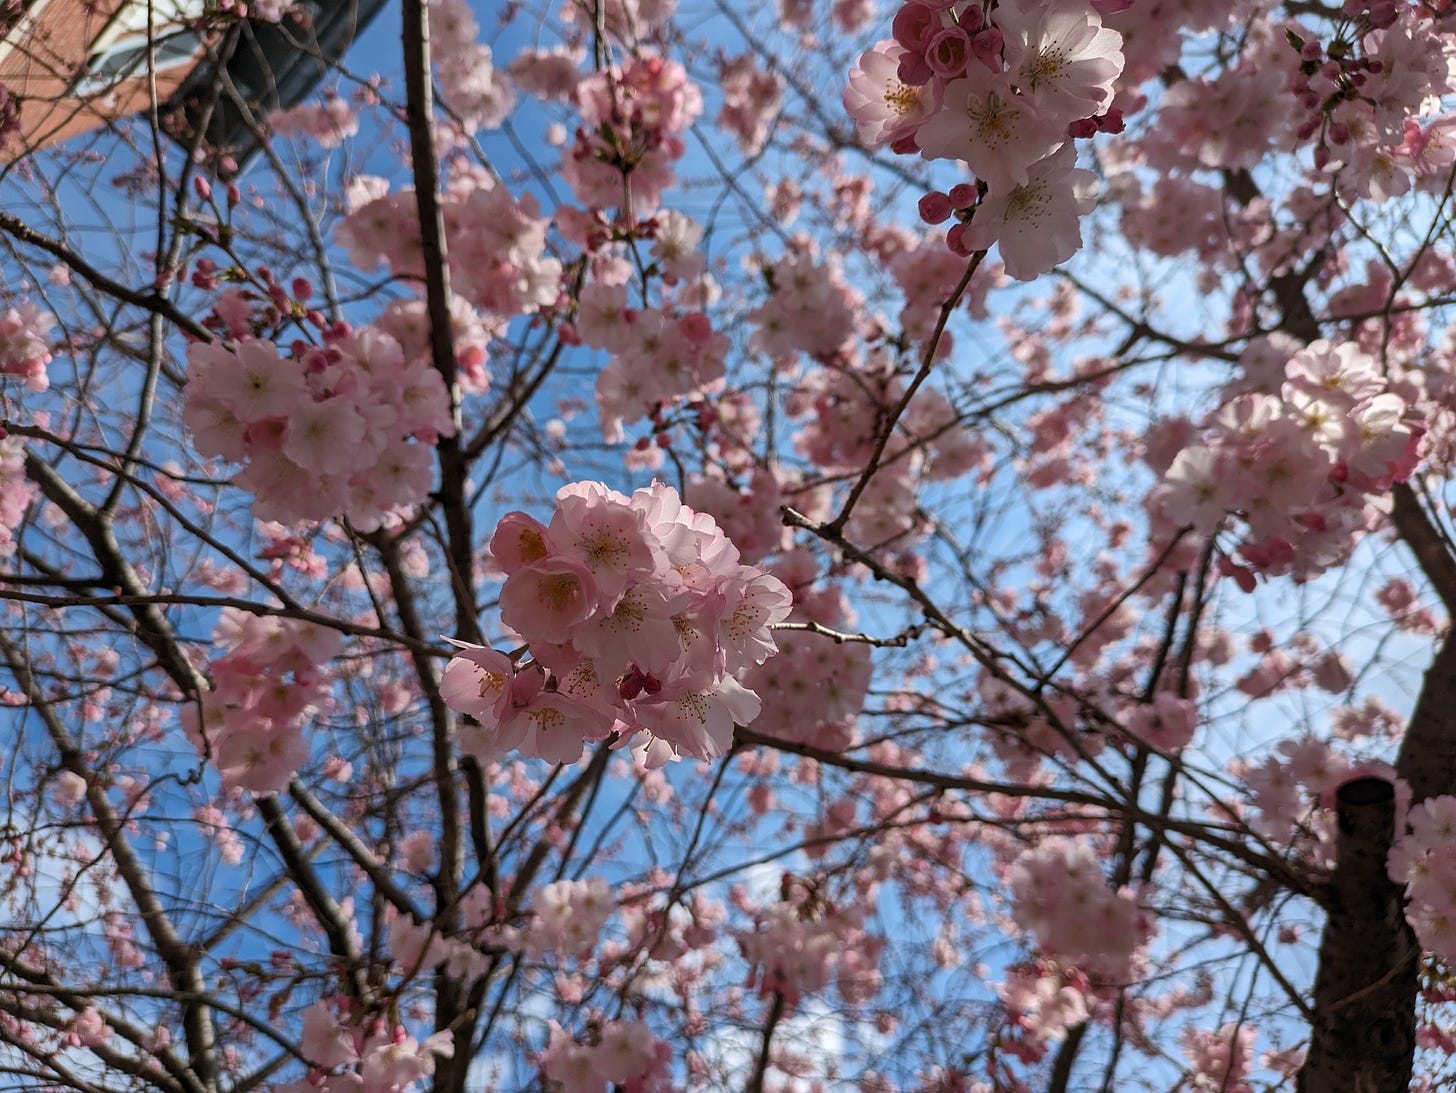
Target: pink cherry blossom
(548,599)
(25,349)
(884,108)
(1060,52)
(998,133)
(1036,224)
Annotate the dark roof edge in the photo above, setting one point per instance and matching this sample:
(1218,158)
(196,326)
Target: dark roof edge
(270,72)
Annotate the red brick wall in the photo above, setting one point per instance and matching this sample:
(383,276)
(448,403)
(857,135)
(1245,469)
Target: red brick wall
(46,57)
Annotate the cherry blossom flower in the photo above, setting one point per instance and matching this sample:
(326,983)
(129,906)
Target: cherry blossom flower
(24,347)
(998,133)
(656,659)
(602,529)
(884,108)
(1060,52)
(548,599)
(1036,223)
(477,682)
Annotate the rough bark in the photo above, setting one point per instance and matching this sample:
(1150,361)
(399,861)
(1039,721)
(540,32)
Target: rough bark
(1365,990)
(1363,1038)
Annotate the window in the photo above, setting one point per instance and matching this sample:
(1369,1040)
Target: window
(158,29)
(127,57)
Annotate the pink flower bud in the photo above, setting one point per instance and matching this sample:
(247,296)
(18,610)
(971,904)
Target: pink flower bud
(1383,13)
(913,70)
(949,53)
(987,46)
(914,25)
(1243,576)
(935,208)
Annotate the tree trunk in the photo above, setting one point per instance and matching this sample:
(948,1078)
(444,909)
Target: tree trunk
(1363,1038)
(1363,1035)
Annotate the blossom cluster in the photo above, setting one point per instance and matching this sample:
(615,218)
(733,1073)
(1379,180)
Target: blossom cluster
(1166,723)
(25,349)
(623,20)
(639,618)
(269,681)
(568,916)
(1218,1061)
(842,408)
(1425,862)
(87,1028)
(818,685)
(345,428)
(496,243)
(479,97)
(371,1057)
(16,492)
(328,123)
(796,954)
(621,1055)
(748,515)
(1283,787)
(752,97)
(408,322)
(798,945)
(1364,97)
(811,310)
(1043,999)
(1059,895)
(658,358)
(927,273)
(1006,91)
(565,917)
(1303,462)
(633,119)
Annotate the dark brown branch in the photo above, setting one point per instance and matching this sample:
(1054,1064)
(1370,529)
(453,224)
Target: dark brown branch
(152,301)
(451,1010)
(1426,543)
(760,1066)
(362,856)
(326,911)
(178,957)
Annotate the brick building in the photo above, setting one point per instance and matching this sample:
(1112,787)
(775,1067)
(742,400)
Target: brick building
(75,65)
